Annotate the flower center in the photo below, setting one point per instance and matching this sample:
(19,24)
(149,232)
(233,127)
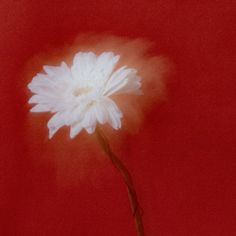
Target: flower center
(79,91)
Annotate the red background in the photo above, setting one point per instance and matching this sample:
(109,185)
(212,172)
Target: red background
(183,158)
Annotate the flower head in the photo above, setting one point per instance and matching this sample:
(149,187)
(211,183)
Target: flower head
(80,96)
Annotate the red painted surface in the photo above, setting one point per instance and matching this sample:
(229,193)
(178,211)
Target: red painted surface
(182,160)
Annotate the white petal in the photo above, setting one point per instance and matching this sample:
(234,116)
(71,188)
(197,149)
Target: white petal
(101,113)
(50,70)
(55,123)
(91,129)
(83,64)
(35,99)
(48,85)
(77,113)
(106,63)
(89,118)
(92,70)
(40,99)
(40,108)
(133,85)
(75,130)
(114,113)
(57,70)
(123,80)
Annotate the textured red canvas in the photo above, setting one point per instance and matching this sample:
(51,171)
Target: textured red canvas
(182,158)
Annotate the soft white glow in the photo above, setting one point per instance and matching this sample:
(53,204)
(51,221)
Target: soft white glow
(80,95)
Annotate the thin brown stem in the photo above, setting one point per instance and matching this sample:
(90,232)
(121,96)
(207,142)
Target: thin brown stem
(127,179)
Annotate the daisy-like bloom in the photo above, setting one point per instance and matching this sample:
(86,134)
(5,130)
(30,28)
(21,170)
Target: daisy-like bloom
(80,96)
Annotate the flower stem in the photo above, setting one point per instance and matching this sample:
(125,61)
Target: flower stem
(127,179)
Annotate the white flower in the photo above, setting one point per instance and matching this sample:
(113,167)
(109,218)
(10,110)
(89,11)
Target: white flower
(80,95)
